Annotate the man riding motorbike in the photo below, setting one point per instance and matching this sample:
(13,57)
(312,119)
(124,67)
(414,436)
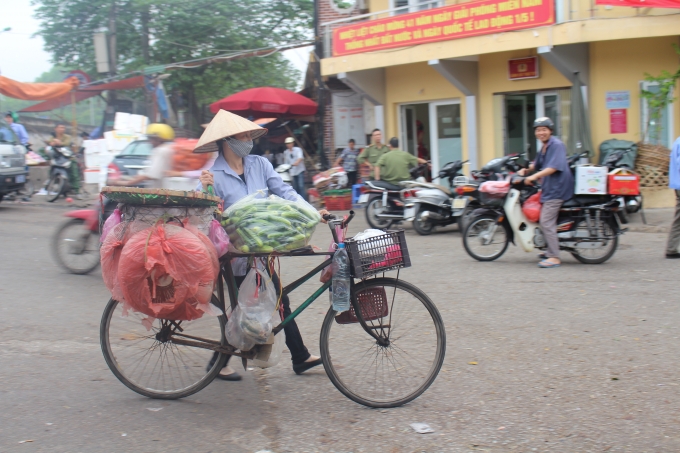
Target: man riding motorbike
(557,186)
(393,167)
(61,139)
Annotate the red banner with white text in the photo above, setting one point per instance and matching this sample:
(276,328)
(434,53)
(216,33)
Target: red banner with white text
(641,3)
(475,18)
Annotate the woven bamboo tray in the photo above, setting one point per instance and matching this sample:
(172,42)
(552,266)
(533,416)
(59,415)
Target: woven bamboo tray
(159,197)
(652,156)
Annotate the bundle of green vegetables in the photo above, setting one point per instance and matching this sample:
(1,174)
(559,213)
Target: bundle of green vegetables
(262,225)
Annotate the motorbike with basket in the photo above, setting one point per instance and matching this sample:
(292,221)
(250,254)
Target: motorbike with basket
(429,205)
(587,226)
(467,189)
(630,204)
(384,205)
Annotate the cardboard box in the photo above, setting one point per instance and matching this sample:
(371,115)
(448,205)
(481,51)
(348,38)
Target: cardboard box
(591,180)
(623,182)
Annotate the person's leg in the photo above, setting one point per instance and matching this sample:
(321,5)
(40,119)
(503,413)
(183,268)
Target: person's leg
(300,185)
(548,221)
(351,178)
(674,233)
(297,348)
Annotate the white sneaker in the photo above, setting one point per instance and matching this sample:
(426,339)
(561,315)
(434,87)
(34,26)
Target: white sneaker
(42,192)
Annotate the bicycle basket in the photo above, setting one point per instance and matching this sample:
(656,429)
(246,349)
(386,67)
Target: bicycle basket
(373,303)
(378,254)
(491,199)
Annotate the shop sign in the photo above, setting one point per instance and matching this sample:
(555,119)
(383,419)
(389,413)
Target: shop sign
(618,123)
(441,24)
(523,68)
(617,99)
(641,3)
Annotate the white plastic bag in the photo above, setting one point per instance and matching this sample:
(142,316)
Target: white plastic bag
(270,353)
(370,250)
(251,321)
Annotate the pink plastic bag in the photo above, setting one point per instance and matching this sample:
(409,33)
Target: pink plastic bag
(327,273)
(532,208)
(110,254)
(219,238)
(495,187)
(112,221)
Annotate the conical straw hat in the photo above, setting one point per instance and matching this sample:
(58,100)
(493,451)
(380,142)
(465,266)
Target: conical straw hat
(225,124)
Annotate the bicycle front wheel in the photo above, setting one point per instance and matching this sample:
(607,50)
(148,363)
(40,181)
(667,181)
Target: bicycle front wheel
(144,358)
(405,359)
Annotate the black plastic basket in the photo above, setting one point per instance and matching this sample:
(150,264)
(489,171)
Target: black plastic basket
(491,199)
(378,254)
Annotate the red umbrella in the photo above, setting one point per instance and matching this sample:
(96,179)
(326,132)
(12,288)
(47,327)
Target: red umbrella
(266,102)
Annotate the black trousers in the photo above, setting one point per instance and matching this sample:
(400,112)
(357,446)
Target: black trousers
(351,178)
(296,346)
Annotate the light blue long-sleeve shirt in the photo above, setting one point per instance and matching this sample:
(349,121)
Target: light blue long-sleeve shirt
(20,130)
(260,175)
(674,168)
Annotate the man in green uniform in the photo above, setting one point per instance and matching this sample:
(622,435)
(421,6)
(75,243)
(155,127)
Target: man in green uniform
(370,155)
(394,166)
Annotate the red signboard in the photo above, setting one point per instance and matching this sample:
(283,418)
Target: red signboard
(441,24)
(641,3)
(618,123)
(523,68)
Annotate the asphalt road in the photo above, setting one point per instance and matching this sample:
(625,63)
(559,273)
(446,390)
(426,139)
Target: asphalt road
(580,358)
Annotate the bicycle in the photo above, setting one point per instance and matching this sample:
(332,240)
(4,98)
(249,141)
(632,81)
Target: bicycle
(361,349)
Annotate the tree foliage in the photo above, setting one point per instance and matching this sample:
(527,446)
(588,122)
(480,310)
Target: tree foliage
(155,32)
(658,99)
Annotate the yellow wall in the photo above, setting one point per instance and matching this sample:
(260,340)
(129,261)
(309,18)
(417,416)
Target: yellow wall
(620,65)
(493,79)
(416,83)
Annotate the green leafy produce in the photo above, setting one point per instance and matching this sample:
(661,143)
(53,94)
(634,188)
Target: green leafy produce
(256,224)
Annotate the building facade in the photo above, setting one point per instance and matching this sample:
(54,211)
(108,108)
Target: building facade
(465,80)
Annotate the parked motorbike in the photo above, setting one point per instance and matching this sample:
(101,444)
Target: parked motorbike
(75,244)
(284,171)
(384,206)
(630,204)
(429,205)
(587,226)
(60,164)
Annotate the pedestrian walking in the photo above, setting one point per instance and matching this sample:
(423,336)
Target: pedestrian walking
(674,183)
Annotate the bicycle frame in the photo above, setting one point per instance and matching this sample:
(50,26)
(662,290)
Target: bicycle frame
(227,274)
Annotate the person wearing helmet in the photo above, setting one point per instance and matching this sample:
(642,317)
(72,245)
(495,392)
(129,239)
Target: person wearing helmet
(160,135)
(294,157)
(557,186)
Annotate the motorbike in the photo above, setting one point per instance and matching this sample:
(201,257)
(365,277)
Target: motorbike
(429,205)
(75,244)
(587,226)
(61,159)
(467,190)
(630,204)
(284,171)
(384,206)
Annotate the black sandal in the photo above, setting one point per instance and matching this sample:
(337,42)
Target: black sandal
(300,368)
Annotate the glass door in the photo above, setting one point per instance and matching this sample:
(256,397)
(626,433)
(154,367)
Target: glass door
(445,134)
(515,124)
(407,141)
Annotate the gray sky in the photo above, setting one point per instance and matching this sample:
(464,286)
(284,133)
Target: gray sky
(22,57)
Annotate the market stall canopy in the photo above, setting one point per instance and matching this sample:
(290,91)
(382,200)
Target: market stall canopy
(36,91)
(641,3)
(86,92)
(266,101)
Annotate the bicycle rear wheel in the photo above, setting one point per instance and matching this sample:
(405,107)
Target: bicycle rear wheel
(413,340)
(149,363)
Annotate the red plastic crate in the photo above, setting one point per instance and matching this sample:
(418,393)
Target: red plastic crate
(342,203)
(623,182)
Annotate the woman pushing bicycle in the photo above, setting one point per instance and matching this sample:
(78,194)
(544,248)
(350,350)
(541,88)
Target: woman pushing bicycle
(234,175)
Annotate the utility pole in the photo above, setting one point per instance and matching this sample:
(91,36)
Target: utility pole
(321,92)
(111,102)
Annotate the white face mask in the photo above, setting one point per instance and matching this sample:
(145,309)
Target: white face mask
(240,147)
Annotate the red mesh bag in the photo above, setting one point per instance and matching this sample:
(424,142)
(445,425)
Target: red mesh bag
(532,207)
(167,272)
(110,252)
(214,259)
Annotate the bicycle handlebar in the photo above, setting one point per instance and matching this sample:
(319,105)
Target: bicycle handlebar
(333,220)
